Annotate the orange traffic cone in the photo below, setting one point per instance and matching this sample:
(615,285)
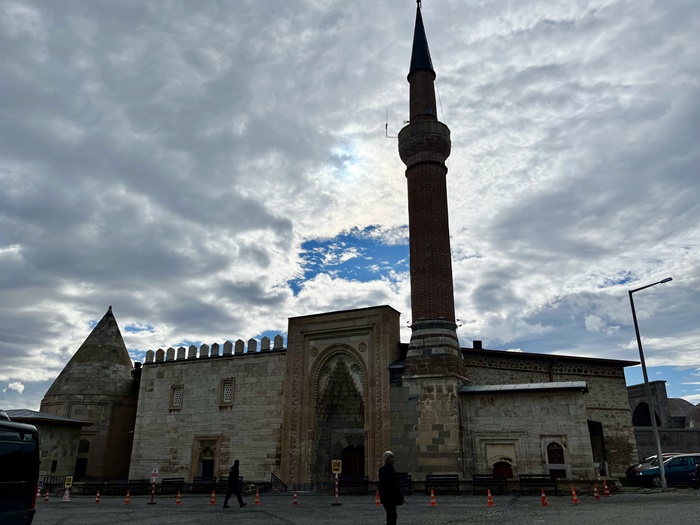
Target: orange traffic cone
(213,498)
(66,495)
(606,490)
(544,500)
(295,501)
(574,497)
(46,497)
(595,492)
(377,501)
(178,501)
(127,500)
(433,503)
(257,497)
(97,498)
(489,499)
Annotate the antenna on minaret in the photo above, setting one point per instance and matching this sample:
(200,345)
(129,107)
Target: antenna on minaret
(386,127)
(418,2)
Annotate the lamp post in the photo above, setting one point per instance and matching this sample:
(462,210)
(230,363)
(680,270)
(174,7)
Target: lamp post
(647,387)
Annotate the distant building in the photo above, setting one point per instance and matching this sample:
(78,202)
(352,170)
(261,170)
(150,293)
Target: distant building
(678,421)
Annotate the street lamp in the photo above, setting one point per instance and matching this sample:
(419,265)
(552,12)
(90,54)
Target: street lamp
(647,387)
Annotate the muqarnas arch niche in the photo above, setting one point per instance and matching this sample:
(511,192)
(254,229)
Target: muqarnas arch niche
(340,414)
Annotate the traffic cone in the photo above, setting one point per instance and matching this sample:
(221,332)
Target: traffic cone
(489,499)
(178,501)
(97,498)
(295,501)
(595,492)
(574,497)
(544,500)
(46,497)
(377,501)
(606,490)
(66,495)
(213,498)
(257,498)
(433,503)
(127,500)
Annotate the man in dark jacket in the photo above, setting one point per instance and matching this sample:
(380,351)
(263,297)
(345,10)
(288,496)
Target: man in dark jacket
(389,488)
(234,486)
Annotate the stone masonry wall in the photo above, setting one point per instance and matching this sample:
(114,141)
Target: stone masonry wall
(248,429)
(404,426)
(516,428)
(57,443)
(606,402)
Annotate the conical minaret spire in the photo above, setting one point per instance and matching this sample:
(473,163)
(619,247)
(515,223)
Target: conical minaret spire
(420,57)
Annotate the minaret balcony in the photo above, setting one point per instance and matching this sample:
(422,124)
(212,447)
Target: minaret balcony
(425,141)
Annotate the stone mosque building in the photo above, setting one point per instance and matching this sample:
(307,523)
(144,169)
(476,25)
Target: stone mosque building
(345,387)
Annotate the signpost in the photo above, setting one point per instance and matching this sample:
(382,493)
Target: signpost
(154,477)
(336,468)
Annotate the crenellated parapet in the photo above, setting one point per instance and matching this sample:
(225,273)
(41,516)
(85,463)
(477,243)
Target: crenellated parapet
(206,351)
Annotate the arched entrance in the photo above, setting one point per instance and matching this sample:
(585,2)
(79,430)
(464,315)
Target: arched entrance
(206,463)
(340,417)
(503,469)
(353,457)
(641,417)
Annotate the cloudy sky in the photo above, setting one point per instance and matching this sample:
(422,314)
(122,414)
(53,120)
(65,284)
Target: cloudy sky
(210,169)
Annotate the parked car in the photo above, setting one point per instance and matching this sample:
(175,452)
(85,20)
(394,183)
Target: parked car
(649,462)
(678,471)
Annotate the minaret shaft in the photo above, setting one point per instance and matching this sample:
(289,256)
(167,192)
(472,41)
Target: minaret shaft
(424,145)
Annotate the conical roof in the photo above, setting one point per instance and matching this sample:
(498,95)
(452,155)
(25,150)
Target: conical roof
(100,366)
(420,56)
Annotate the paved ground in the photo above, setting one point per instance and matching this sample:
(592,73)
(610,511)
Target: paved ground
(678,507)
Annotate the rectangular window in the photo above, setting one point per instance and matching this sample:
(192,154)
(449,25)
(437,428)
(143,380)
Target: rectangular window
(226,392)
(176,397)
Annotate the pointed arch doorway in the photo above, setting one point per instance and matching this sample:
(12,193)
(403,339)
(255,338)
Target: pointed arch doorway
(353,457)
(340,418)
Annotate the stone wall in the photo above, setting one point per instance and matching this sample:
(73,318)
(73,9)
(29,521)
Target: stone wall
(112,419)
(678,440)
(173,438)
(606,402)
(404,426)
(516,428)
(57,443)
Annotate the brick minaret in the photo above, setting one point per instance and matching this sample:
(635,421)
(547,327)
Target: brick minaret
(424,145)
(434,365)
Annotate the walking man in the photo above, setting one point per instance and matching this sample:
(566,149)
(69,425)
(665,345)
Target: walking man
(389,488)
(234,487)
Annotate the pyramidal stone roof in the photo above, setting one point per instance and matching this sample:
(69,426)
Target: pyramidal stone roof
(101,364)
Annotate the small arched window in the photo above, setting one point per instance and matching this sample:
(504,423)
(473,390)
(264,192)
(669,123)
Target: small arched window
(555,454)
(83,446)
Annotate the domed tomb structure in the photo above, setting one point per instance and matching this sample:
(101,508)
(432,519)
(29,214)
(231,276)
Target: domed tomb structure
(97,385)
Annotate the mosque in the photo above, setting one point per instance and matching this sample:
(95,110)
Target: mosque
(344,386)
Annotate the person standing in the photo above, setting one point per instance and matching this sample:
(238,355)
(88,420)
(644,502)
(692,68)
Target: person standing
(389,488)
(234,487)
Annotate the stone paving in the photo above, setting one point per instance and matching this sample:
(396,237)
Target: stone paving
(634,508)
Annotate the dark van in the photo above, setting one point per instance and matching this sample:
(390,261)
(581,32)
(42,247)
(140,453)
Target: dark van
(19,472)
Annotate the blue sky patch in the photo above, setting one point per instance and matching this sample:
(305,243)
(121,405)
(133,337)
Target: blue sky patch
(137,328)
(360,255)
